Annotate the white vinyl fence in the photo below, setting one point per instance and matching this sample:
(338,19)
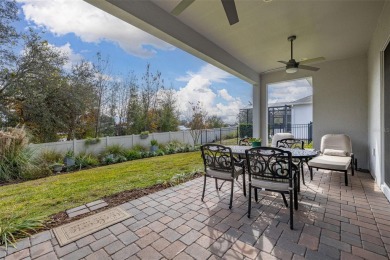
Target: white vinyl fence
(129,141)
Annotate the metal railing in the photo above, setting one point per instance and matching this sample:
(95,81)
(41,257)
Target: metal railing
(300,131)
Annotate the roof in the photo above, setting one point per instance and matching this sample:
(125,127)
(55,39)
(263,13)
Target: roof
(301,101)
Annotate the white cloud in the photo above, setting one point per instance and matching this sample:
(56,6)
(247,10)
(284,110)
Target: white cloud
(73,57)
(198,88)
(289,91)
(91,24)
(225,95)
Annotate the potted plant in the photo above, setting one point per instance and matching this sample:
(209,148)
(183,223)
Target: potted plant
(144,134)
(69,159)
(154,145)
(256,142)
(57,167)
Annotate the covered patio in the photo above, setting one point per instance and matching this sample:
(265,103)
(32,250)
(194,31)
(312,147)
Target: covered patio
(332,222)
(349,89)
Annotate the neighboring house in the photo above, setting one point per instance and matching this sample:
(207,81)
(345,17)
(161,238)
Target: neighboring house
(294,117)
(296,112)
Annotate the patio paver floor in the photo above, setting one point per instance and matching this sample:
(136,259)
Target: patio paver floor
(333,222)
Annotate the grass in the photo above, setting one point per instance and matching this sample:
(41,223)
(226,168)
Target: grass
(44,197)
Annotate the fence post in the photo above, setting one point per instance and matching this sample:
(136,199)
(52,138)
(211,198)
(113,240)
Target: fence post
(132,141)
(310,132)
(220,135)
(237,134)
(74,146)
(206,137)
(170,136)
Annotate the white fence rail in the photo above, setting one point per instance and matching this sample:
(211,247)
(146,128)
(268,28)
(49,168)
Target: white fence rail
(129,141)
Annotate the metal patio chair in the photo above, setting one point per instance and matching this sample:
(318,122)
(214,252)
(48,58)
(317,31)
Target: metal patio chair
(271,169)
(220,164)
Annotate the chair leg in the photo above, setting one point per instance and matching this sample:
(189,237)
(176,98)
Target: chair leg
(346,178)
(249,200)
(220,187)
(303,174)
(216,184)
(295,196)
(311,172)
(256,195)
(284,199)
(299,180)
(353,166)
(231,195)
(243,183)
(204,187)
(291,211)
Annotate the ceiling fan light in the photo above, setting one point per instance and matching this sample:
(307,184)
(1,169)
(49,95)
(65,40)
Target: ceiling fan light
(291,70)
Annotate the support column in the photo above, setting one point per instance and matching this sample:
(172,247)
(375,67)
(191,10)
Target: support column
(256,117)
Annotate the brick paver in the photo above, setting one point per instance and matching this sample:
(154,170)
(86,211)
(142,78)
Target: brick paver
(333,221)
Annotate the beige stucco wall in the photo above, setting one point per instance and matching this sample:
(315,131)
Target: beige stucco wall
(340,102)
(375,94)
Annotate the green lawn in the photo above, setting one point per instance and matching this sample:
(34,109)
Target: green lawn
(44,197)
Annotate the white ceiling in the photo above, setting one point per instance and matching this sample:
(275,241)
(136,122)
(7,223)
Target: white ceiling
(334,29)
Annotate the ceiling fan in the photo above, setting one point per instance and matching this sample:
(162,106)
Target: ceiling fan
(292,66)
(228,5)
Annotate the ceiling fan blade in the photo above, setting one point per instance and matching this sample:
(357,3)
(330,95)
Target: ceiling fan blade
(284,62)
(312,60)
(308,67)
(181,6)
(230,10)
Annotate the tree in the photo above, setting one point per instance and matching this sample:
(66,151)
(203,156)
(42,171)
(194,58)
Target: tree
(197,122)
(79,100)
(215,122)
(168,114)
(151,84)
(8,39)
(34,88)
(8,34)
(101,86)
(135,120)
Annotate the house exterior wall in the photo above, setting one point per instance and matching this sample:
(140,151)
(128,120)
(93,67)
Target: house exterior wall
(302,114)
(340,102)
(378,43)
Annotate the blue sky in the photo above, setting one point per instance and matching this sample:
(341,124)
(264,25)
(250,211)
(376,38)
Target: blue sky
(81,30)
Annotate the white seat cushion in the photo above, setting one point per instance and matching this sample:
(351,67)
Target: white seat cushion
(337,163)
(270,185)
(223,174)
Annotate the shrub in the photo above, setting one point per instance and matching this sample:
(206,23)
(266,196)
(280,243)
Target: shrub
(50,157)
(115,149)
(139,148)
(11,230)
(309,145)
(153,142)
(132,154)
(86,160)
(16,160)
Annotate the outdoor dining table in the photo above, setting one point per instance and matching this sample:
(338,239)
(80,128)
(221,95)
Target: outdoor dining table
(301,154)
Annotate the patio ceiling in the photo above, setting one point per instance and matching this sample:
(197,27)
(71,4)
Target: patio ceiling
(333,29)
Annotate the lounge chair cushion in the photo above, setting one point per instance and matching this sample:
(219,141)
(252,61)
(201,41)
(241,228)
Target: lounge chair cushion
(337,163)
(335,152)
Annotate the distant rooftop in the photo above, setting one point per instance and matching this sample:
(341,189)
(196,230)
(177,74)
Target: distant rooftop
(301,101)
